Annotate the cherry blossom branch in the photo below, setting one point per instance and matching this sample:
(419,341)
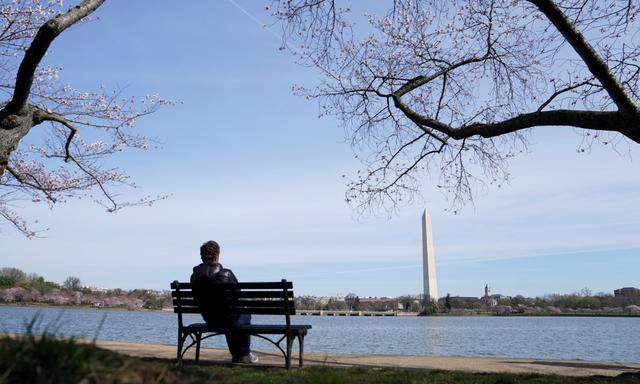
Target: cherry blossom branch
(98,183)
(38,186)
(50,116)
(15,220)
(61,164)
(46,34)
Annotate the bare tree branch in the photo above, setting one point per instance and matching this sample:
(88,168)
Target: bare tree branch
(477,75)
(41,115)
(560,92)
(589,56)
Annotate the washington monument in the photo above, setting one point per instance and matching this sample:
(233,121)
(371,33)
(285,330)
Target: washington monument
(428,259)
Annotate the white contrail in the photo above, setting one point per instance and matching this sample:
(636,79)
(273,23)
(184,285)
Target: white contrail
(256,20)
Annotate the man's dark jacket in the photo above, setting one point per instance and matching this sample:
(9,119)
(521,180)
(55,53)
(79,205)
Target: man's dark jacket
(203,276)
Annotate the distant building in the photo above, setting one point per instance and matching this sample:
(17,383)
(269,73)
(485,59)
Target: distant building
(488,299)
(627,292)
(463,301)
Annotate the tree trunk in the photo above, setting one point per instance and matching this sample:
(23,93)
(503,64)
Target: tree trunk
(13,127)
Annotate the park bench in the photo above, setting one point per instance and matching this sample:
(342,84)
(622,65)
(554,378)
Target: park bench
(255,298)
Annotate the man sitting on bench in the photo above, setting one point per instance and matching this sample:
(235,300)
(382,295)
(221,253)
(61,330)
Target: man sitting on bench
(211,271)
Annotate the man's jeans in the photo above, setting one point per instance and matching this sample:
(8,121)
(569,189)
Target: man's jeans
(239,344)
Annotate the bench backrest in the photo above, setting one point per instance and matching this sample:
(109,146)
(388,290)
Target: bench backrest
(256,298)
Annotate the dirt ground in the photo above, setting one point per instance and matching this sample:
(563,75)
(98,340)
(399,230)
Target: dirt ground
(469,364)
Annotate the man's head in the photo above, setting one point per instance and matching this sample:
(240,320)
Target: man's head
(210,251)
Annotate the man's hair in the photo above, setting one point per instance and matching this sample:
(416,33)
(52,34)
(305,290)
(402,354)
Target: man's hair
(209,251)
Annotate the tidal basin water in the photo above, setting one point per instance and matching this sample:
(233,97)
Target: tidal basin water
(584,338)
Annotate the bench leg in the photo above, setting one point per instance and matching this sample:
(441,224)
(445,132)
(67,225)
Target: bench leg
(198,340)
(288,357)
(180,345)
(301,349)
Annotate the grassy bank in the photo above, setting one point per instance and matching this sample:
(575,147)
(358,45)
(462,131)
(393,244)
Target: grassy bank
(46,359)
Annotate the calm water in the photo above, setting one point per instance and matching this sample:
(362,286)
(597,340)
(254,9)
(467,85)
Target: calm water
(585,338)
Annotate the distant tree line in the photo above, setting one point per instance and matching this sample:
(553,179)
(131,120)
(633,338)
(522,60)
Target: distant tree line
(352,302)
(578,302)
(583,300)
(17,286)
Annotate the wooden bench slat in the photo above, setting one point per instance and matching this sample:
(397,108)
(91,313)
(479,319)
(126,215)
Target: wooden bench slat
(186,310)
(184,294)
(240,303)
(241,294)
(266,311)
(247,285)
(243,310)
(253,328)
(184,302)
(263,294)
(264,303)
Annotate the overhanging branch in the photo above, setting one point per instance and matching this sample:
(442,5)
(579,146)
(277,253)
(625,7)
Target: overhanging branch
(33,56)
(596,65)
(614,121)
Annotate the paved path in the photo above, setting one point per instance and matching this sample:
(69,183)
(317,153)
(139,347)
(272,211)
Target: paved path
(470,364)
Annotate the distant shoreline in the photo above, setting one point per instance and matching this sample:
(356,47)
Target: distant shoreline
(170,310)
(544,314)
(64,306)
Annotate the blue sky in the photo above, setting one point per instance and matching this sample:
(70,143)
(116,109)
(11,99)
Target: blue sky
(250,165)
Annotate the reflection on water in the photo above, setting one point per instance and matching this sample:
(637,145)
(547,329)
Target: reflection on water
(585,338)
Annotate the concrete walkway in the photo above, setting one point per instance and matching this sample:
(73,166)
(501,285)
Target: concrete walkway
(469,364)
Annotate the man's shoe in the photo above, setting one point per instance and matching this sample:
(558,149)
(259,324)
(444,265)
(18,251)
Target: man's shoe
(248,359)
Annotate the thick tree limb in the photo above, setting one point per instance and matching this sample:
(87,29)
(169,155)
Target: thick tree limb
(597,66)
(613,121)
(46,34)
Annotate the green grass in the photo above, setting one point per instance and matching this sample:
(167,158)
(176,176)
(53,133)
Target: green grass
(47,359)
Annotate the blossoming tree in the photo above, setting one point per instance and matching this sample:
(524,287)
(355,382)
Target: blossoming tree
(81,128)
(455,87)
